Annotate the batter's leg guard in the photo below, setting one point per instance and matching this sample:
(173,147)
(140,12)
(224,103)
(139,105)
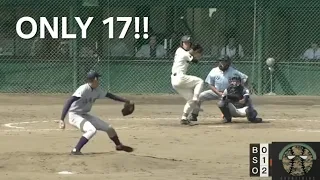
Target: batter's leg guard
(195,112)
(252,116)
(193,117)
(223,106)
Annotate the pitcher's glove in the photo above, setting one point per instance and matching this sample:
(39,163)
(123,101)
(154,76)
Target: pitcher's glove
(128,108)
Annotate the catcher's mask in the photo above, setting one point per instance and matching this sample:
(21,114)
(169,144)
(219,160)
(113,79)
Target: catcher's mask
(224,63)
(235,81)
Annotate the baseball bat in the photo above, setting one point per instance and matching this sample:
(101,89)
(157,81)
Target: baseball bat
(97,56)
(186,25)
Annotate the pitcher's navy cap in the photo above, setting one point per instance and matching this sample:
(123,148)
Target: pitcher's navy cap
(93,74)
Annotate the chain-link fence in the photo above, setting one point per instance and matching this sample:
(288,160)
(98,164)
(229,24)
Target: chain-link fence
(249,31)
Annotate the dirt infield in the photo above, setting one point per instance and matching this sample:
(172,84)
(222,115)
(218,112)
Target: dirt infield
(33,148)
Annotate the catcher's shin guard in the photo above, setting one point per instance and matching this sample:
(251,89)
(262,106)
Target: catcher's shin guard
(223,106)
(252,115)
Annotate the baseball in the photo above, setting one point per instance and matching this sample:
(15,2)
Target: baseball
(270,61)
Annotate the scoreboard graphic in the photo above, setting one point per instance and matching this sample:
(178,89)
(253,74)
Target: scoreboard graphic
(285,160)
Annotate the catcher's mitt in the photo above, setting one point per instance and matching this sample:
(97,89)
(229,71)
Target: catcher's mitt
(235,93)
(127,109)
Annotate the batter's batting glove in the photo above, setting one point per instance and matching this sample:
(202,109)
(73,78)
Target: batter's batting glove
(195,61)
(128,108)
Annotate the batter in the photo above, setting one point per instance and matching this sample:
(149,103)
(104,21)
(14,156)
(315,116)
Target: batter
(189,87)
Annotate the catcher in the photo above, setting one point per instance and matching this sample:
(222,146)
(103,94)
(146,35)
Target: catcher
(236,102)
(79,105)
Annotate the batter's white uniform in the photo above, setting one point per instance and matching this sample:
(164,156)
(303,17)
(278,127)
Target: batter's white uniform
(238,112)
(189,87)
(220,80)
(79,112)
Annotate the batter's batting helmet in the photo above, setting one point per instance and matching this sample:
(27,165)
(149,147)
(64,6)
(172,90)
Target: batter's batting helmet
(186,38)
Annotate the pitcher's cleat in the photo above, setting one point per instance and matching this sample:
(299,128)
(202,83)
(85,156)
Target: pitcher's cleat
(124,148)
(257,120)
(226,121)
(74,152)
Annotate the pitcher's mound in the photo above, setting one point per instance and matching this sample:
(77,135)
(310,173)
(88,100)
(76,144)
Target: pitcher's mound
(89,163)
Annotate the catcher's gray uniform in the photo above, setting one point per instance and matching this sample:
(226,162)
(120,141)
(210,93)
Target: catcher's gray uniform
(236,109)
(236,102)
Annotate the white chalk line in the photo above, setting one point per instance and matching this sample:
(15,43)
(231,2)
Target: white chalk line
(13,125)
(46,130)
(16,126)
(306,130)
(219,126)
(213,118)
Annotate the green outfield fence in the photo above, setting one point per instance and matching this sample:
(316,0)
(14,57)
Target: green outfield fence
(282,29)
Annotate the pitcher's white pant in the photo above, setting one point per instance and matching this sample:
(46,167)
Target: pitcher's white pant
(89,125)
(189,87)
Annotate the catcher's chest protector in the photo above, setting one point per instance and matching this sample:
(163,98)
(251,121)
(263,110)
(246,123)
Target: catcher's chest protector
(236,90)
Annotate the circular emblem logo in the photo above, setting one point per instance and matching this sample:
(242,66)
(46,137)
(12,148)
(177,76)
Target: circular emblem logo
(297,158)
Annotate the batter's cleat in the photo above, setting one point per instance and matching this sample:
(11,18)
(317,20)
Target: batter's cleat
(124,148)
(193,123)
(73,152)
(184,122)
(188,122)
